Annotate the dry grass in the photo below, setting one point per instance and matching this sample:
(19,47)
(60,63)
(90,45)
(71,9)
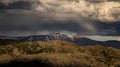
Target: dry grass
(5,58)
(61,54)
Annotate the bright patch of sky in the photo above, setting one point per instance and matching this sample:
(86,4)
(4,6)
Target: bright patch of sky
(102,38)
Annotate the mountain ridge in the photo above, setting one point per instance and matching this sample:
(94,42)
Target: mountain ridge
(84,41)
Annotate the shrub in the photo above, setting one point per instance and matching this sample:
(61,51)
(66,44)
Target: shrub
(2,51)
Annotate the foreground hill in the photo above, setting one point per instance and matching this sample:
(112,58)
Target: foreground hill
(57,53)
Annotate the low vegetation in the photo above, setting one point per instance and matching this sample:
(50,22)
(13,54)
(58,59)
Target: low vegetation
(58,54)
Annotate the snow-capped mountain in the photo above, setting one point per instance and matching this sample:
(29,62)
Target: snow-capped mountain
(57,36)
(52,36)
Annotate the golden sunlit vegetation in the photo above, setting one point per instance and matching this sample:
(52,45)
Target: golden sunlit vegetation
(58,53)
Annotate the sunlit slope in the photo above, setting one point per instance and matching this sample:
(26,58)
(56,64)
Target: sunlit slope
(57,53)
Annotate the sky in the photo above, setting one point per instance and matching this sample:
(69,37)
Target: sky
(103,38)
(83,17)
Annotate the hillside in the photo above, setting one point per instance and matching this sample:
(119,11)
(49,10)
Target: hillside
(57,53)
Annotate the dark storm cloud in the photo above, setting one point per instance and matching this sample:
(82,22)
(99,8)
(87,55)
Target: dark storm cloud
(33,22)
(20,4)
(110,29)
(73,27)
(25,17)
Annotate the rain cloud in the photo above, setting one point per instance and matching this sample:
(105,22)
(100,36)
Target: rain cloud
(84,17)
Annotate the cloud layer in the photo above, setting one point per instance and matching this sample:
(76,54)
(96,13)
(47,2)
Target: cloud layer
(86,17)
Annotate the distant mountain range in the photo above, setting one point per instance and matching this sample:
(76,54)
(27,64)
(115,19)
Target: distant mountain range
(84,41)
